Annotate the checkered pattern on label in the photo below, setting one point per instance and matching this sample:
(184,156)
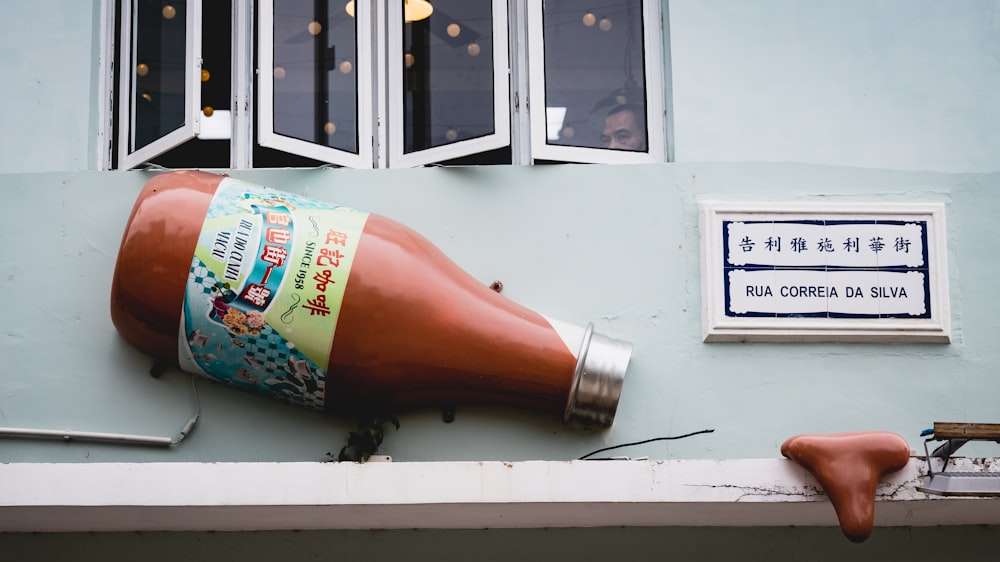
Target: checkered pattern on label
(201,275)
(270,364)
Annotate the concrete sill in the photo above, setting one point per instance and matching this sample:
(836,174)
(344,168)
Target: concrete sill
(452,495)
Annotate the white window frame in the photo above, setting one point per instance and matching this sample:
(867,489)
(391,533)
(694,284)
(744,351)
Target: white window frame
(654,88)
(128,158)
(501,96)
(365,67)
(242,138)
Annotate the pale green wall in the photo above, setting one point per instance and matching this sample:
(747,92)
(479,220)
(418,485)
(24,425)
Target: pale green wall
(576,242)
(49,55)
(898,84)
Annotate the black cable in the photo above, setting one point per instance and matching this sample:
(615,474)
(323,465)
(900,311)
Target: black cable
(646,441)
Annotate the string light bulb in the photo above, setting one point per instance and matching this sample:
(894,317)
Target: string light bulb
(605,24)
(346,67)
(589,19)
(451,134)
(453,29)
(205,75)
(416,10)
(408,60)
(473,49)
(330,127)
(142,69)
(314,28)
(208,110)
(279,72)
(169,11)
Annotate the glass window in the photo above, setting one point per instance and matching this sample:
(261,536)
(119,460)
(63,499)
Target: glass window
(594,77)
(160,77)
(312,74)
(366,83)
(449,86)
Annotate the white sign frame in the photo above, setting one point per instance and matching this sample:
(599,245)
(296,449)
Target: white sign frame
(930,325)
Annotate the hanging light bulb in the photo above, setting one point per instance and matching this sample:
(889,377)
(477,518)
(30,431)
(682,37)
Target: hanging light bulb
(330,127)
(142,69)
(589,19)
(169,11)
(451,134)
(205,75)
(453,29)
(473,49)
(279,72)
(346,67)
(416,10)
(314,28)
(605,24)
(408,60)
(208,110)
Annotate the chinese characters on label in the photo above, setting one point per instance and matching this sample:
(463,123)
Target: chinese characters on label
(328,258)
(816,268)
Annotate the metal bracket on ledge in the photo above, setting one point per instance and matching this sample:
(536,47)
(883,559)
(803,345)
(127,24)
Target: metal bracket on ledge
(957,483)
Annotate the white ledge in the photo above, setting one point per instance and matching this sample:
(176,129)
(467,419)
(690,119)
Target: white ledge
(452,495)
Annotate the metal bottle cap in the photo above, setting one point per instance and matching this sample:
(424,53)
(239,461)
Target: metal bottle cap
(598,380)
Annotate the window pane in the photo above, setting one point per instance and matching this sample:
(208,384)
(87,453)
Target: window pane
(158,77)
(315,73)
(594,75)
(447,72)
(210,149)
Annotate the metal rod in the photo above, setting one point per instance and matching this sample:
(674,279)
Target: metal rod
(114,438)
(117,438)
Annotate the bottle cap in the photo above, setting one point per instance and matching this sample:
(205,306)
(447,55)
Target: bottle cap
(597,382)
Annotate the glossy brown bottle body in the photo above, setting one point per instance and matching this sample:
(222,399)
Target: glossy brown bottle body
(414,328)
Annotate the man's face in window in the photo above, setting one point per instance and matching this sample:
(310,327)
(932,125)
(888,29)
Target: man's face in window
(623,132)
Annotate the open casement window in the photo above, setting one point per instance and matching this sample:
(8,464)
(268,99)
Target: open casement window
(315,79)
(596,81)
(160,78)
(448,79)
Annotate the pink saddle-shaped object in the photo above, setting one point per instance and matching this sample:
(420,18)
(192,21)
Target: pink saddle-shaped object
(849,466)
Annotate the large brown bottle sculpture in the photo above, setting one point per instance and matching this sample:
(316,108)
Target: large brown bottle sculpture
(337,309)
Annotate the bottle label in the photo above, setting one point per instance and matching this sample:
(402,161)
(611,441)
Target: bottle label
(265,288)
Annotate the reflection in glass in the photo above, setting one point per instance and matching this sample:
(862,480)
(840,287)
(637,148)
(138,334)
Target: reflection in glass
(594,75)
(448,75)
(158,76)
(315,82)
